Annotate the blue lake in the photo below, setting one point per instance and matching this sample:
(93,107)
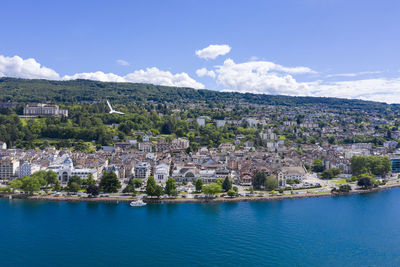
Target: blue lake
(357,230)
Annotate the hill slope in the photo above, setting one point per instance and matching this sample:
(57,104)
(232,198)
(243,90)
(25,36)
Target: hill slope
(25,90)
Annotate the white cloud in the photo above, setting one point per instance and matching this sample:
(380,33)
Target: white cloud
(204,72)
(353,74)
(31,69)
(379,89)
(96,76)
(213,51)
(261,77)
(150,75)
(156,76)
(25,68)
(122,62)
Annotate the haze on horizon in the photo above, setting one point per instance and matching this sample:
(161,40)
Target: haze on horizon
(332,48)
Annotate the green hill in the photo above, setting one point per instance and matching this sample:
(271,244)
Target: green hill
(26,90)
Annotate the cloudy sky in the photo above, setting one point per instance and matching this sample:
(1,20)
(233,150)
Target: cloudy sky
(336,48)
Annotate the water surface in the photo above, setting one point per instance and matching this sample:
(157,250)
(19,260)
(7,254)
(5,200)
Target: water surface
(357,230)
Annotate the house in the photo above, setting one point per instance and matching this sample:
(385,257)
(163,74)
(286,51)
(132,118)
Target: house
(8,168)
(27,169)
(290,173)
(201,121)
(142,170)
(180,144)
(65,169)
(220,123)
(161,173)
(145,146)
(123,145)
(3,145)
(246,179)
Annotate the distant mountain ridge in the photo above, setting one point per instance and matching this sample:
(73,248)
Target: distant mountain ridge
(72,91)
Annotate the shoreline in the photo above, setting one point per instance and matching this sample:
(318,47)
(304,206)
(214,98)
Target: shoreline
(193,200)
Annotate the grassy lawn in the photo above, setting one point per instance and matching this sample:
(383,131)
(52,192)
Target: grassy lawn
(340,181)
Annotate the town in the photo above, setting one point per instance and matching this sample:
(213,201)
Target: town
(256,150)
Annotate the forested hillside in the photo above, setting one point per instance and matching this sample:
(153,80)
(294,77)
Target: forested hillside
(24,90)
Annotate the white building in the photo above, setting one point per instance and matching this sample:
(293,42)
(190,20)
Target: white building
(201,121)
(64,168)
(3,145)
(290,173)
(44,110)
(220,123)
(162,173)
(27,169)
(142,170)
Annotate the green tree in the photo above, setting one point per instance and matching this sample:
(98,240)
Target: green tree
(227,184)
(158,191)
(15,184)
(317,166)
(92,190)
(109,182)
(376,165)
(212,189)
(90,180)
(259,180)
(51,177)
(137,182)
(57,186)
(251,189)
(365,182)
(73,187)
(75,179)
(345,188)
(30,184)
(330,173)
(151,186)
(170,187)
(271,183)
(199,185)
(232,193)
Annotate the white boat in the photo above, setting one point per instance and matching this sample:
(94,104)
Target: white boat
(137,203)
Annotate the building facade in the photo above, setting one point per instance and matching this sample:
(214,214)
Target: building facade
(8,168)
(44,110)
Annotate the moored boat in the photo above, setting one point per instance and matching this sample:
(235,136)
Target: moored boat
(138,203)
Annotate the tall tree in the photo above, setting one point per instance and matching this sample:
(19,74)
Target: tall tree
(227,184)
(109,182)
(259,180)
(212,189)
(199,185)
(170,187)
(93,190)
(271,183)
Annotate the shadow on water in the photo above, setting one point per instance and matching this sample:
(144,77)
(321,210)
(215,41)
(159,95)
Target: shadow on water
(230,206)
(154,208)
(172,208)
(92,206)
(210,208)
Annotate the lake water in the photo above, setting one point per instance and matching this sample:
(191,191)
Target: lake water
(357,230)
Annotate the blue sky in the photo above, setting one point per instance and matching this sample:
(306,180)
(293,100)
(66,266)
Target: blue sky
(299,47)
